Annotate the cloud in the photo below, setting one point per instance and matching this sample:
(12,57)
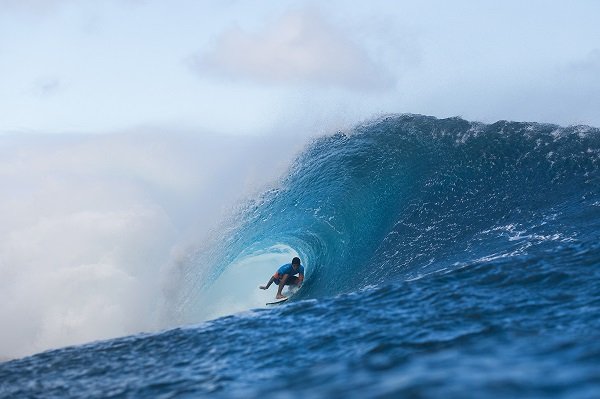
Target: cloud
(299,48)
(47,86)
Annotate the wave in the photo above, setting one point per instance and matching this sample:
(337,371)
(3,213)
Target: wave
(401,197)
(442,256)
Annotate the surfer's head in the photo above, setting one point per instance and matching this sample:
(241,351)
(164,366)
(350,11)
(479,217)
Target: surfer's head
(296,262)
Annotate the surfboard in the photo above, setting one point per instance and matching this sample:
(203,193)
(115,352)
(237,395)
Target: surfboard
(277,301)
(290,292)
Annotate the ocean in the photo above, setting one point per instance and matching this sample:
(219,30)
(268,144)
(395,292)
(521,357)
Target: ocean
(444,258)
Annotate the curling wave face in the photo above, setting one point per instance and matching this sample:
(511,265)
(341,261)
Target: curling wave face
(404,196)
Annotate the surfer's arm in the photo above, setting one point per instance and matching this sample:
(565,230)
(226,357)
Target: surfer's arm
(281,285)
(266,287)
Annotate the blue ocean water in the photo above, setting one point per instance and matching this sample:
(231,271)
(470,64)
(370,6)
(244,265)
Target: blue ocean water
(444,258)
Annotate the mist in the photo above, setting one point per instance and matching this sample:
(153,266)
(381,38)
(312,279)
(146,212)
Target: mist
(92,223)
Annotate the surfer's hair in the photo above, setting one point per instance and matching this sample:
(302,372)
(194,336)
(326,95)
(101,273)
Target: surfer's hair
(296,261)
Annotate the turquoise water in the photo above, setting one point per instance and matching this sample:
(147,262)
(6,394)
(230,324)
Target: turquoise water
(444,258)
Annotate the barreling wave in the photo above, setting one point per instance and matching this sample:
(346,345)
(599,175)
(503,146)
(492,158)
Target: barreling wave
(478,246)
(407,195)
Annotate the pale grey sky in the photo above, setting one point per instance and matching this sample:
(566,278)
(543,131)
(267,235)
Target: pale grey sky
(247,67)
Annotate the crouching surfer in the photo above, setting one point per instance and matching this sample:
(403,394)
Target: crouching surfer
(288,274)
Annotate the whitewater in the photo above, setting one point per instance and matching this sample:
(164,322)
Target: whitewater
(443,258)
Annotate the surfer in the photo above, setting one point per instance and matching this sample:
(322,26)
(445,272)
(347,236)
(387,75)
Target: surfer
(286,275)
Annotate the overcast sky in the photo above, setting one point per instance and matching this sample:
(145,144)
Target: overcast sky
(257,67)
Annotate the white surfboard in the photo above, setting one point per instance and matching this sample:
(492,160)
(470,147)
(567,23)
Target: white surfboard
(277,301)
(290,292)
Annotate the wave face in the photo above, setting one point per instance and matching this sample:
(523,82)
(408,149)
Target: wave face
(443,257)
(405,196)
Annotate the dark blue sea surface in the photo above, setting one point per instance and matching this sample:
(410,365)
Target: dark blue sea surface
(444,258)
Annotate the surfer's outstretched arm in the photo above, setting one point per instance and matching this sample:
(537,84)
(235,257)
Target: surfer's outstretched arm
(266,287)
(281,285)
